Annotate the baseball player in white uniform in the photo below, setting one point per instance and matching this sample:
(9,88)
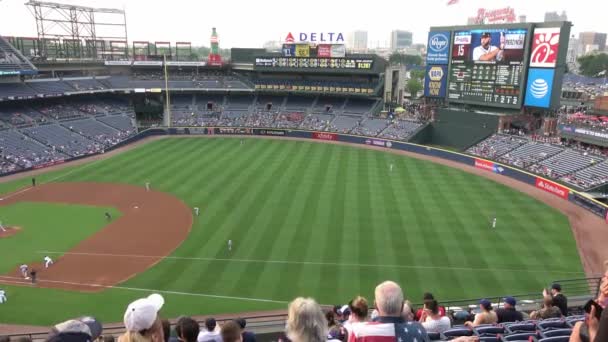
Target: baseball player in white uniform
(391,167)
(2,296)
(23,269)
(47,261)
(229,245)
(2,227)
(196,211)
(494,222)
(147,186)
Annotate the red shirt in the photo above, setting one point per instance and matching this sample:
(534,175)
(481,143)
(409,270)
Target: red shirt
(419,313)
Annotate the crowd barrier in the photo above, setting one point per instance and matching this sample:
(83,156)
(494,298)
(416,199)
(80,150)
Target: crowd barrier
(544,184)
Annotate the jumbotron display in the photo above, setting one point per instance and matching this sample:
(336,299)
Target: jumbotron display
(313,62)
(487,66)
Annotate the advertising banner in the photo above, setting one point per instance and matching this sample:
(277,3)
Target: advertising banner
(554,188)
(324,50)
(302,50)
(438,47)
(272,132)
(435,80)
(539,87)
(325,136)
(545,47)
(338,51)
(289,50)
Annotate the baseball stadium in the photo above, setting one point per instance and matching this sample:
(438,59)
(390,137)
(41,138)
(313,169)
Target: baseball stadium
(233,186)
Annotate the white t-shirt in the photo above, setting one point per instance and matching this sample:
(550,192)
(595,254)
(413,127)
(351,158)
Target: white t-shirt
(437,325)
(46,258)
(209,336)
(480,51)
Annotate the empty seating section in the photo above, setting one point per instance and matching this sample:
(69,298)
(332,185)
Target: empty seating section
(530,153)
(96,131)
(400,129)
(329,105)
(62,139)
(238,103)
(13,90)
(356,106)
(11,59)
(343,124)
(497,145)
(264,100)
(120,122)
(295,103)
(50,87)
(370,127)
(589,177)
(316,122)
(564,163)
(26,152)
(85,84)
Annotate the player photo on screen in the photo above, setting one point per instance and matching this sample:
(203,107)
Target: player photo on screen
(489,45)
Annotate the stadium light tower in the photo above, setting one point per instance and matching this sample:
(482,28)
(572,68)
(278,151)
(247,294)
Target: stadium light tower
(72,24)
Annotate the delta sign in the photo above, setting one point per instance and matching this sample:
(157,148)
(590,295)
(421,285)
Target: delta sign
(315,37)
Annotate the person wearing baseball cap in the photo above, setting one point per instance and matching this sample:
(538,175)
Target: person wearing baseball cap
(486,316)
(486,51)
(142,321)
(559,299)
(509,313)
(83,329)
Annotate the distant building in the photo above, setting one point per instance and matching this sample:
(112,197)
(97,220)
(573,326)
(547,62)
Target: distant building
(523,19)
(554,16)
(357,41)
(575,50)
(401,40)
(592,41)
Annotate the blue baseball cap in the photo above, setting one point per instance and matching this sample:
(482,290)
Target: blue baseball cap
(486,304)
(511,301)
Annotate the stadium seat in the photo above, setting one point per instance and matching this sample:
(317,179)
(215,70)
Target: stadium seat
(556,332)
(495,338)
(434,336)
(524,336)
(521,327)
(490,329)
(555,324)
(456,332)
(555,339)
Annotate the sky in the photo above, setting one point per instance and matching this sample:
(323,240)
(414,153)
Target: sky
(250,23)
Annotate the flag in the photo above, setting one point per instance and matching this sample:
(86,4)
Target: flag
(452,2)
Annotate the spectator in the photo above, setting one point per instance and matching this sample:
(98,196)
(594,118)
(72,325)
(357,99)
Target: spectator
(166,329)
(211,332)
(248,336)
(358,312)
(142,321)
(428,296)
(188,329)
(408,314)
(486,316)
(108,338)
(548,310)
(335,328)
(509,313)
(434,321)
(231,332)
(559,299)
(82,329)
(305,321)
(389,325)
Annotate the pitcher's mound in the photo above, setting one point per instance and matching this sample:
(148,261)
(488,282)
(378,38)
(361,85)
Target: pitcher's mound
(9,231)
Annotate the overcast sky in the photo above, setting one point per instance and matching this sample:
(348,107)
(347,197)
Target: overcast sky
(250,23)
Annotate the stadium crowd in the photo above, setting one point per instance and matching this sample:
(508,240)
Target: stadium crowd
(392,319)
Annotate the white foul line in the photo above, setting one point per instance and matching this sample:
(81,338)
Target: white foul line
(23,282)
(318,263)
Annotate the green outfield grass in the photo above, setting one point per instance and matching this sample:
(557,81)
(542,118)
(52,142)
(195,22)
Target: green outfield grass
(316,220)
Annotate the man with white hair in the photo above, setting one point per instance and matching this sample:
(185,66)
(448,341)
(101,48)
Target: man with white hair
(389,325)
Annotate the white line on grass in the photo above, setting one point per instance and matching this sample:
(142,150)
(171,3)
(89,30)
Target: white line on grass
(318,263)
(22,282)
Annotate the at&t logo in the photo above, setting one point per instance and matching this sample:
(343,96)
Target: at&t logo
(539,88)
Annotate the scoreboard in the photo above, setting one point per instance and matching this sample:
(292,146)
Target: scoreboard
(487,67)
(314,62)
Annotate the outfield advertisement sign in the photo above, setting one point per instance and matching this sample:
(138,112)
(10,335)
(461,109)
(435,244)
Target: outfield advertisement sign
(552,187)
(376,142)
(438,50)
(325,136)
(235,131)
(488,166)
(435,80)
(272,132)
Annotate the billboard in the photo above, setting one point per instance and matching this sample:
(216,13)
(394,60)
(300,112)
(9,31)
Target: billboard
(313,62)
(338,51)
(435,80)
(539,87)
(324,50)
(302,50)
(438,47)
(545,47)
(488,66)
(289,50)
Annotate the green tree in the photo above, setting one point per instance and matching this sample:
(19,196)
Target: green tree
(413,86)
(400,58)
(417,74)
(593,64)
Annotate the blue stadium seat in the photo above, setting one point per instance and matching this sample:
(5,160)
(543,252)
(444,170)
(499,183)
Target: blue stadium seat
(490,329)
(556,332)
(555,339)
(555,324)
(434,336)
(495,338)
(456,332)
(524,336)
(521,327)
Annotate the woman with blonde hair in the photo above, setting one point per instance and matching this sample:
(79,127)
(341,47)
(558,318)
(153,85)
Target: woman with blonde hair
(305,321)
(142,321)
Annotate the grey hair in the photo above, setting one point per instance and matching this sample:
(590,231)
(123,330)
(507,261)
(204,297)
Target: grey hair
(306,322)
(389,299)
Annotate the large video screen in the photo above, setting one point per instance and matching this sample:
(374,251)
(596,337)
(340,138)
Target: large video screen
(487,67)
(316,63)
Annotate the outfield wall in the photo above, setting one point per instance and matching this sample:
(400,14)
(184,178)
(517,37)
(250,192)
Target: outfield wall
(547,185)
